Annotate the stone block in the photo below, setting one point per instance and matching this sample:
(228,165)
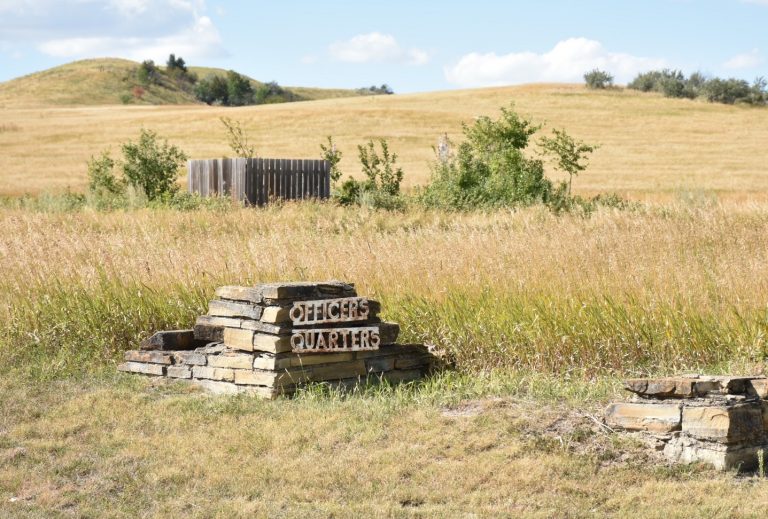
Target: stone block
(207,333)
(400,376)
(149,357)
(271,329)
(223,322)
(291,291)
(388,332)
(170,340)
(758,387)
(222,374)
(644,416)
(237,309)
(683,449)
(189,358)
(377,365)
(725,424)
(271,343)
(231,360)
(142,368)
(216,387)
(239,339)
(336,371)
(689,386)
(179,372)
(276,315)
(236,293)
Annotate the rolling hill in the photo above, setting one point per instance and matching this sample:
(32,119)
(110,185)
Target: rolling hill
(110,81)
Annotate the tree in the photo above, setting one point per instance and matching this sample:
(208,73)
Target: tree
(238,139)
(570,155)
(212,90)
(239,90)
(152,166)
(598,79)
(176,64)
(380,170)
(147,73)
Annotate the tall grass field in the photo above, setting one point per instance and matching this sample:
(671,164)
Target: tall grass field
(537,315)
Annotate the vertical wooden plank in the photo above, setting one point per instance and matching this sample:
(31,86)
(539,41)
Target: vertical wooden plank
(262,182)
(257,181)
(293,179)
(280,178)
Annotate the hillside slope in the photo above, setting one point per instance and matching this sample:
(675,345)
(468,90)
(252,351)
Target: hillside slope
(650,147)
(110,81)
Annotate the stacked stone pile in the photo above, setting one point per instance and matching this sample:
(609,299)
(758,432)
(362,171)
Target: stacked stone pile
(719,420)
(272,338)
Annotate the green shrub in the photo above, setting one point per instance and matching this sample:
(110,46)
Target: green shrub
(330,153)
(598,79)
(238,139)
(105,189)
(490,168)
(570,155)
(148,73)
(152,166)
(727,91)
(381,187)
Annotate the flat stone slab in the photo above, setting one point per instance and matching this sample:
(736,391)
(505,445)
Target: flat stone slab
(725,424)
(170,340)
(281,293)
(645,416)
(683,449)
(693,386)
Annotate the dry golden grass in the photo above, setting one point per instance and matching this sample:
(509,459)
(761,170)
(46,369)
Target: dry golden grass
(125,448)
(652,147)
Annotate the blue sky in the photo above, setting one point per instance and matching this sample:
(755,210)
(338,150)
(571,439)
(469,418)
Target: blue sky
(412,46)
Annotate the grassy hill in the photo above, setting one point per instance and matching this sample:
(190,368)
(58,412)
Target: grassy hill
(110,81)
(651,147)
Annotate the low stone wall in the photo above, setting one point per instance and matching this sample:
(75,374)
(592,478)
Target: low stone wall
(718,420)
(272,339)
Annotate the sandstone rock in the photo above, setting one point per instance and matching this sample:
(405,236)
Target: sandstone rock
(189,358)
(142,368)
(652,417)
(235,293)
(725,424)
(276,315)
(271,343)
(683,449)
(149,357)
(222,374)
(758,387)
(222,308)
(207,333)
(179,372)
(170,340)
(231,360)
(238,339)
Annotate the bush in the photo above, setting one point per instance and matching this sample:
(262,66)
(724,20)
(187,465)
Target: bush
(212,90)
(598,79)
(106,190)
(333,156)
(672,83)
(238,139)
(490,167)
(148,73)
(239,90)
(381,187)
(152,166)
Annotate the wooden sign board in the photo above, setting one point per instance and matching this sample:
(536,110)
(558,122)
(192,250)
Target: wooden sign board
(319,340)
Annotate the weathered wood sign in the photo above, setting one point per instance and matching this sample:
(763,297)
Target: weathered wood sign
(333,311)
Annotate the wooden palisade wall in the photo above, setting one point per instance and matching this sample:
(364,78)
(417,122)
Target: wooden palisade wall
(257,181)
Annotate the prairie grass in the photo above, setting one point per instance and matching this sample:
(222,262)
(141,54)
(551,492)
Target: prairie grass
(660,288)
(120,446)
(652,148)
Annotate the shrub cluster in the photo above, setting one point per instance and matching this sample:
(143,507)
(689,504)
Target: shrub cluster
(149,168)
(673,83)
(598,79)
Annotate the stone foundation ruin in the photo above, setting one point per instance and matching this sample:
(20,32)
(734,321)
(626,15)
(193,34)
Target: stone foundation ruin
(273,338)
(722,421)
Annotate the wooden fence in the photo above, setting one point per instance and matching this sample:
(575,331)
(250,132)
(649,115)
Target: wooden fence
(257,181)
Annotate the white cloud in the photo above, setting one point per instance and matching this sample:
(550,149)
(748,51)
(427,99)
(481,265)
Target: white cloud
(199,41)
(376,47)
(567,61)
(134,29)
(746,60)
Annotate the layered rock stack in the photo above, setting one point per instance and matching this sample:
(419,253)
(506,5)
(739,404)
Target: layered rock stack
(718,420)
(271,339)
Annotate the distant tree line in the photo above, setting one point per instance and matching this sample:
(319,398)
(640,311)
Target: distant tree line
(376,90)
(673,83)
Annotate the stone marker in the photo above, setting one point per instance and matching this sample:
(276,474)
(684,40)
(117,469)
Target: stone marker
(272,339)
(722,421)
